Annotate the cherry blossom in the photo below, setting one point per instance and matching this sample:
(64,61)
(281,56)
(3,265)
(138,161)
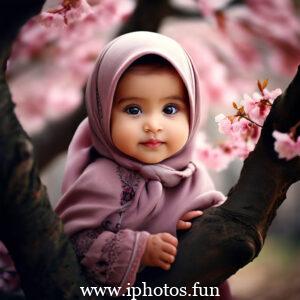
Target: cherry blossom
(244,127)
(45,98)
(237,128)
(287,145)
(50,65)
(269,20)
(206,7)
(258,106)
(216,158)
(224,124)
(259,21)
(68,12)
(216,83)
(213,158)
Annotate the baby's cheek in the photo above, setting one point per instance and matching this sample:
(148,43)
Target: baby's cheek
(118,123)
(180,135)
(124,134)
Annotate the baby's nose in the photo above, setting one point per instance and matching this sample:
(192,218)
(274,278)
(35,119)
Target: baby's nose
(153,124)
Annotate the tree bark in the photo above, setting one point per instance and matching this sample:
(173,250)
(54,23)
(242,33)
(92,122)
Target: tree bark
(33,234)
(220,242)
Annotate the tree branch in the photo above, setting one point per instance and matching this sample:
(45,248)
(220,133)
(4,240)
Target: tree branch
(33,234)
(56,137)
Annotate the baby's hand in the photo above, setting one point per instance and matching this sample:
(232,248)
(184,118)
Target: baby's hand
(182,224)
(160,250)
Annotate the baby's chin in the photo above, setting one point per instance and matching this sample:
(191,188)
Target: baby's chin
(155,158)
(149,160)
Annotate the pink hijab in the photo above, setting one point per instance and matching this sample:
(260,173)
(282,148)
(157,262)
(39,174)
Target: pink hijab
(118,189)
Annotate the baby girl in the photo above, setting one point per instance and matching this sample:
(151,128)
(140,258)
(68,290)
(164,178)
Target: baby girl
(131,181)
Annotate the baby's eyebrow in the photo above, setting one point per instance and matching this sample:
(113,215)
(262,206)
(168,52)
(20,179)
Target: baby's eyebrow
(119,100)
(133,98)
(174,97)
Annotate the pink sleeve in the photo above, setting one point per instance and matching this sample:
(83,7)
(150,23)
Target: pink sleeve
(111,259)
(212,198)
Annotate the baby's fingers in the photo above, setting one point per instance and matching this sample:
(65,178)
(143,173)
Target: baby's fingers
(164,265)
(169,238)
(168,258)
(182,225)
(191,215)
(169,248)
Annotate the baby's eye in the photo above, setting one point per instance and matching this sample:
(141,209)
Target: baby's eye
(133,110)
(170,109)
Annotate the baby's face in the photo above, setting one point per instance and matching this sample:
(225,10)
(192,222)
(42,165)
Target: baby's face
(150,114)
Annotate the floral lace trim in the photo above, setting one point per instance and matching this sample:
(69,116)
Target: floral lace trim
(110,254)
(83,240)
(130,181)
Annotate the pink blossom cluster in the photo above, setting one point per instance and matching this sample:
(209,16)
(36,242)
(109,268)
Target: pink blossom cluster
(286,145)
(46,97)
(241,129)
(267,22)
(68,12)
(9,279)
(102,12)
(240,45)
(244,127)
(50,64)
(257,107)
(275,22)
(217,82)
(242,134)
(216,158)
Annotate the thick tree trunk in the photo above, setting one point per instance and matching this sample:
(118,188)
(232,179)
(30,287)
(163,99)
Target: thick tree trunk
(43,255)
(220,242)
